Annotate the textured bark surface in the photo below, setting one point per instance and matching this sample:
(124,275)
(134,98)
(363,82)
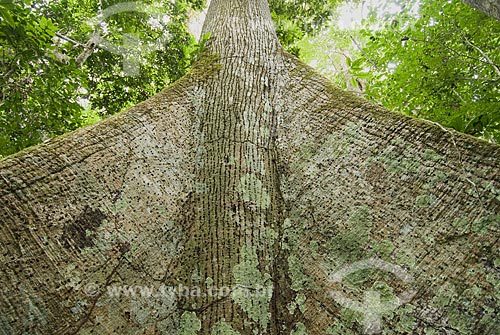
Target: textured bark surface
(489,7)
(253,174)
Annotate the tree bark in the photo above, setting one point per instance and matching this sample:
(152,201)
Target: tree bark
(489,7)
(254,174)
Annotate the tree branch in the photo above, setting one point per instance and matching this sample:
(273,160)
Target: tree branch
(488,59)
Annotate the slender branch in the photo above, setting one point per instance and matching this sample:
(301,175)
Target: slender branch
(88,47)
(488,59)
(459,96)
(69,39)
(8,73)
(444,45)
(478,79)
(360,49)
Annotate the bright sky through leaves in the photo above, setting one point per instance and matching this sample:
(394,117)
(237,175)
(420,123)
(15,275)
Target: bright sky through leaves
(195,23)
(351,14)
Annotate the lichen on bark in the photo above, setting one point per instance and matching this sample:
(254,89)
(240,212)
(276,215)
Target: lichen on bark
(251,173)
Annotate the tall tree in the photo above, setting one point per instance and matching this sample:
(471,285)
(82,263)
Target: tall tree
(255,174)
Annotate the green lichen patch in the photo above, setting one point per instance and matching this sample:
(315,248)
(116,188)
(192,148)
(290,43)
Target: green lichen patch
(79,307)
(299,329)
(431,331)
(438,176)
(253,290)
(196,276)
(297,274)
(403,319)
(253,191)
(461,225)
(423,201)
(35,315)
(271,235)
(349,243)
(209,282)
(386,292)
(119,205)
(334,145)
(190,324)
(483,225)
(73,276)
(464,307)
(384,248)
(346,324)
(494,191)
(431,155)
(297,304)
(359,278)
(486,224)
(406,256)
(223,328)
(396,161)
(397,141)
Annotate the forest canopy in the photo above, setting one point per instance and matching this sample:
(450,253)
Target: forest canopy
(436,60)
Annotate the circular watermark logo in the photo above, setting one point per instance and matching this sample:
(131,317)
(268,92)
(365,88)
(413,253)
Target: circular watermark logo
(132,47)
(372,306)
(91,290)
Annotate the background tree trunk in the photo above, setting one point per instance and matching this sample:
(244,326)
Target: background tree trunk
(489,7)
(255,174)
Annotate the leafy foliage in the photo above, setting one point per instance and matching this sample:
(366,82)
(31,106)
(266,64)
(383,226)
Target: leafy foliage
(447,68)
(442,64)
(294,19)
(59,77)
(37,89)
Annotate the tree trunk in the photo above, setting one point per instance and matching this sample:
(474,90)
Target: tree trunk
(489,7)
(240,199)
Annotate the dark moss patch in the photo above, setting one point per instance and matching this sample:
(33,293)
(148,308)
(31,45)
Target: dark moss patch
(81,232)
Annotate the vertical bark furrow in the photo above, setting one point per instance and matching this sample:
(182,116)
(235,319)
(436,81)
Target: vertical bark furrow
(238,175)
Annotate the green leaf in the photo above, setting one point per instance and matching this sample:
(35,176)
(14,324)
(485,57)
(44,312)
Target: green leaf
(5,14)
(348,61)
